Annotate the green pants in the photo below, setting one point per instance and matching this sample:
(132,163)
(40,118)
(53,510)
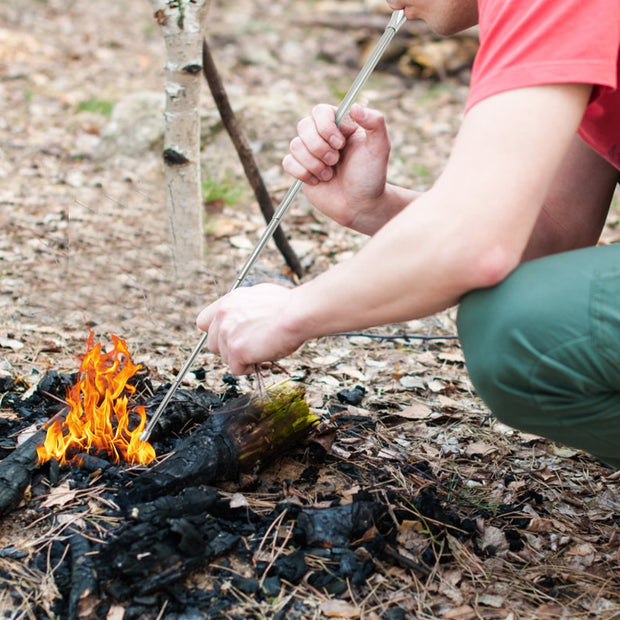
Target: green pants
(543,348)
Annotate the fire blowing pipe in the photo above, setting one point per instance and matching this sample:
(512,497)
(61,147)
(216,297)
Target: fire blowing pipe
(396,21)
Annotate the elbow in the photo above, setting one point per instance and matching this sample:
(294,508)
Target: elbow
(492,264)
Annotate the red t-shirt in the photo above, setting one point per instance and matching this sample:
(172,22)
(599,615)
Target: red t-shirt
(532,42)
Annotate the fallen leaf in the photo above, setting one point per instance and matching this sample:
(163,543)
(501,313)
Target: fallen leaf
(60,496)
(340,609)
(238,500)
(417,411)
(491,600)
(479,448)
(564,451)
(116,612)
(10,343)
(463,612)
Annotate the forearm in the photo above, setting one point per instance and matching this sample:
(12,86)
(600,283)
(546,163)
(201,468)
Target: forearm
(420,262)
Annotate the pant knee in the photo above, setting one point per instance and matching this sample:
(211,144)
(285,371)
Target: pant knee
(487,333)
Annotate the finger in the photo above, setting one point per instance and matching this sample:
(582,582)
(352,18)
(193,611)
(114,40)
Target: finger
(205,317)
(318,146)
(295,169)
(324,118)
(319,168)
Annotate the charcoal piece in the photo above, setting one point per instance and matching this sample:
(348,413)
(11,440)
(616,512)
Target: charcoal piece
(142,558)
(48,398)
(190,501)
(352,397)
(90,463)
(328,582)
(84,595)
(6,383)
(186,407)
(247,585)
(272,586)
(291,567)
(338,526)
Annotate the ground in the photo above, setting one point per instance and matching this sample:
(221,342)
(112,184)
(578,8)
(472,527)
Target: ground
(84,242)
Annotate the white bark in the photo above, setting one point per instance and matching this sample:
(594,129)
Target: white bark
(182,23)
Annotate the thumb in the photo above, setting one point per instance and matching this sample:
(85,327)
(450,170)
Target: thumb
(368,118)
(372,121)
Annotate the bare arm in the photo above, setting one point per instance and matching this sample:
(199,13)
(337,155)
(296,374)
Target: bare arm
(469,231)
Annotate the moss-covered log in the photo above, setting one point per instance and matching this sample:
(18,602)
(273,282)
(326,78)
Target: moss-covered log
(245,434)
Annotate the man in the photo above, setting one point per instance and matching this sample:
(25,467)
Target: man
(508,230)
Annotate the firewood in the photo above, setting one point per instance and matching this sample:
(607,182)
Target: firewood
(245,434)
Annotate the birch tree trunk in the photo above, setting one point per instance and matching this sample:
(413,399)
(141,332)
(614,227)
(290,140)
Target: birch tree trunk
(182,23)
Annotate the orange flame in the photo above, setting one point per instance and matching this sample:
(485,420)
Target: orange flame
(98,418)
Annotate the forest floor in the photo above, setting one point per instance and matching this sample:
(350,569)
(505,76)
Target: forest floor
(84,241)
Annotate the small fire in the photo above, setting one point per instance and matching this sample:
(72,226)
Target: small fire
(98,418)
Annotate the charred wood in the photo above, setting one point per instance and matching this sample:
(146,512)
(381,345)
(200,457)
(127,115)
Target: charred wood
(188,407)
(245,434)
(165,540)
(339,526)
(84,596)
(16,469)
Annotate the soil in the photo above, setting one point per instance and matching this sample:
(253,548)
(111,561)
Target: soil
(84,241)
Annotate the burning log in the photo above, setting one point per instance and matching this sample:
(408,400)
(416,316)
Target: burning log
(246,433)
(17,468)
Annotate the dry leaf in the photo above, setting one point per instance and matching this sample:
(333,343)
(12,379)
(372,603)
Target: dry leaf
(491,600)
(436,385)
(479,448)
(564,451)
(463,612)
(454,357)
(60,496)
(10,343)
(238,500)
(27,433)
(116,612)
(417,411)
(340,609)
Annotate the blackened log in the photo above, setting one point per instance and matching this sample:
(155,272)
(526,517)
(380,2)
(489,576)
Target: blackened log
(245,434)
(190,501)
(17,468)
(84,597)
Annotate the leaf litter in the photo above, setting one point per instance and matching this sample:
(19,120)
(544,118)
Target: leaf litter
(488,522)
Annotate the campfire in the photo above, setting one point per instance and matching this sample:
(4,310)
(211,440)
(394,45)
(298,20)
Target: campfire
(98,421)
